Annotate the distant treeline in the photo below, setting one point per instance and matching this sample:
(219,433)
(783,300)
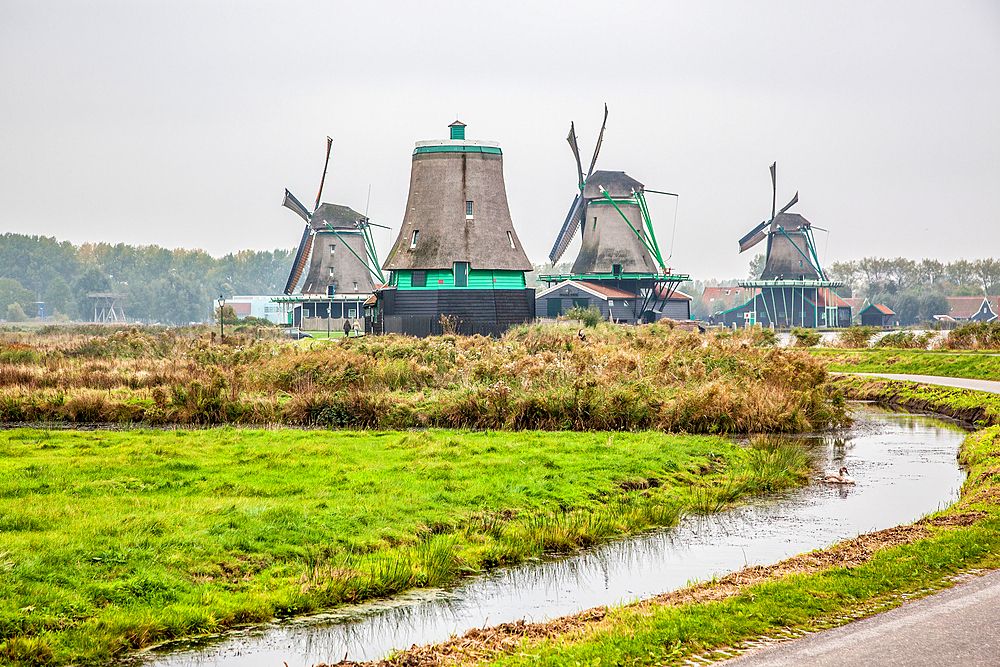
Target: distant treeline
(166,286)
(916,291)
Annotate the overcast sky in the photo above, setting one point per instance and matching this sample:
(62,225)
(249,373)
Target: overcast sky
(180,123)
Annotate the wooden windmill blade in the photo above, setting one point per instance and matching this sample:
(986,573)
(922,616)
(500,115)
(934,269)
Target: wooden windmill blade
(305,244)
(600,138)
(755,236)
(301,257)
(576,210)
(568,231)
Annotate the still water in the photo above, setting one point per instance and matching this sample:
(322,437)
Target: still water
(905,466)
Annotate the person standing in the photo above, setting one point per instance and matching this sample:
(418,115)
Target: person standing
(347,327)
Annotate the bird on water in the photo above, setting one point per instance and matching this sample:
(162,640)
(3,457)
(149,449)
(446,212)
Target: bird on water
(841,478)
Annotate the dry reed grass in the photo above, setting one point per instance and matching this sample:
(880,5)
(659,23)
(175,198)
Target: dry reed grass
(539,377)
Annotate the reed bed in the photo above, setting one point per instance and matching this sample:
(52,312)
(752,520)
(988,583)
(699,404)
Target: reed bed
(535,377)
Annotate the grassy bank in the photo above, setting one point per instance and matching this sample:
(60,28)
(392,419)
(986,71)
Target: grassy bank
(116,540)
(535,377)
(976,365)
(974,407)
(810,592)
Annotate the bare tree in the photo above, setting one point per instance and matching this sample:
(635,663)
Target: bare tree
(903,272)
(988,273)
(960,272)
(930,271)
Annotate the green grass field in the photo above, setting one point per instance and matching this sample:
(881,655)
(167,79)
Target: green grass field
(116,540)
(666,634)
(979,365)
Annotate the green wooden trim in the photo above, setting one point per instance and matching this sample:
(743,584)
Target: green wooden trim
(457,149)
(438,279)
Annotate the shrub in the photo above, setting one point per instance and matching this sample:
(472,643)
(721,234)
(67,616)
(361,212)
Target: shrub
(979,336)
(15,313)
(590,316)
(806,337)
(857,337)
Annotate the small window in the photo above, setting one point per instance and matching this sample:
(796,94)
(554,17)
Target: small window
(330,290)
(461,274)
(468,210)
(595,222)
(413,241)
(331,270)
(333,247)
(616,269)
(510,239)
(610,303)
(355,285)
(352,312)
(418,279)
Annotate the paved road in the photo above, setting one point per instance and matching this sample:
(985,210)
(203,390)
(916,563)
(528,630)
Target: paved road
(991,386)
(959,626)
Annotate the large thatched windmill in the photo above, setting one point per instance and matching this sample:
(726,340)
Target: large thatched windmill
(457,261)
(618,249)
(792,289)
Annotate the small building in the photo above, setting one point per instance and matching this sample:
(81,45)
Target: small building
(615,305)
(973,308)
(258,306)
(877,315)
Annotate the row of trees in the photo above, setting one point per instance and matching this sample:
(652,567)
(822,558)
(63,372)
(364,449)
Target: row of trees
(168,286)
(916,290)
(884,275)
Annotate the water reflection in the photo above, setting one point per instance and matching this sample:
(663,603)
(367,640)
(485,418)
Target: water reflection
(905,467)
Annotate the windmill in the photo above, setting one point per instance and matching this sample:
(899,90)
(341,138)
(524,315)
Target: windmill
(350,272)
(792,290)
(610,212)
(791,249)
(618,248)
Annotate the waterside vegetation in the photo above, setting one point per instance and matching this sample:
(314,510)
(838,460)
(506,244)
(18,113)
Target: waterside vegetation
(114,540)
(718,619)
(535,377)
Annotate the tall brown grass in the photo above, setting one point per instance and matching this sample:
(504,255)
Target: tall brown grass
(535,377)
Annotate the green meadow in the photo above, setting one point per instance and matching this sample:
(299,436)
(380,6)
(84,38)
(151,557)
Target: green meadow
(113,540)
(961,538)
(977,365)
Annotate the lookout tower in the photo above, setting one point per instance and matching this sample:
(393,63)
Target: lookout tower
(457,254)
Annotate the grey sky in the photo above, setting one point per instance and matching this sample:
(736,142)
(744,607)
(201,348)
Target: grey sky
(180,123)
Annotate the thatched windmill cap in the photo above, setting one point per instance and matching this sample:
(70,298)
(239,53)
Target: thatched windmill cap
(457,209)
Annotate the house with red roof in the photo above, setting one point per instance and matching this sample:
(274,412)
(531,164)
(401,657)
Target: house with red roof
(973,308)
(878,315)
(615,305)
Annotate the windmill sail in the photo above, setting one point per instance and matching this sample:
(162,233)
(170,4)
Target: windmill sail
(568,230)
(290,202)
(301,256)
(795,200)
(756,235)
(576,210)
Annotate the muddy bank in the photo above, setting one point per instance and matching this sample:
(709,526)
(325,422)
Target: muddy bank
(478,645)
